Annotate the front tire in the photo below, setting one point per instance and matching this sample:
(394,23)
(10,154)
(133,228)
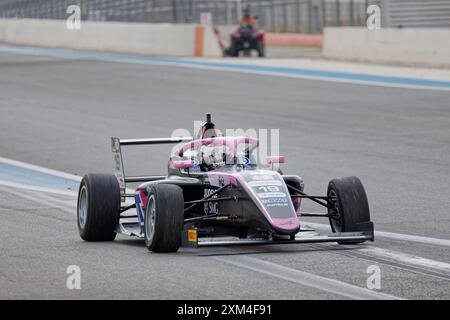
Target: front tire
(98,207)
(164,218)
(350,205)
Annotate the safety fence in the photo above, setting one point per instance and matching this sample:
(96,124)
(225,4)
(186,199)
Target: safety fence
(309,16)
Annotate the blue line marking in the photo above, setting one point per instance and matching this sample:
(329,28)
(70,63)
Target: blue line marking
(17,174)
(295,72)
(337,75)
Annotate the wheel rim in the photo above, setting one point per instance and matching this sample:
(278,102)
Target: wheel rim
(82,206)
(335,213)
(150,218)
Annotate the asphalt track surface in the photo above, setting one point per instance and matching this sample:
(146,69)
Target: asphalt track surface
(61,113)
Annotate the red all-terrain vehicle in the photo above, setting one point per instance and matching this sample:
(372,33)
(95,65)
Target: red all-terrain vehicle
(246,40)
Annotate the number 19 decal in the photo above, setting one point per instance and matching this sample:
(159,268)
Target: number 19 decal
(269,188)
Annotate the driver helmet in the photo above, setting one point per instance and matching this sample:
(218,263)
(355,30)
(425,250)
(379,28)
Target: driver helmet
(212,157)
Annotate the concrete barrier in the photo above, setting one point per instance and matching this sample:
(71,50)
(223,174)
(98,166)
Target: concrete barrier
(135,38)
(412,46)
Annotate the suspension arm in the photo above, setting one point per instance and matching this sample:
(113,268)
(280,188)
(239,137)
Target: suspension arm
(312,198)
(131,206)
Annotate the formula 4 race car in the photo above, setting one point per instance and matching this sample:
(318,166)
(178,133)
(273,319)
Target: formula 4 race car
(246,40)
(215,193)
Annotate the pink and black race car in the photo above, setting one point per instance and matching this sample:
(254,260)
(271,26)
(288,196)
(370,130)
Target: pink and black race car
(215,193)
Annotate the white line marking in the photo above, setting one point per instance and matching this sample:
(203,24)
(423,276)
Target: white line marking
(304,278)
(395,256)
(71,203)
(67,203)
(391,235)
(36,188)
(407,237)
(38,200)
(406,258)
(40,169)
(25,209)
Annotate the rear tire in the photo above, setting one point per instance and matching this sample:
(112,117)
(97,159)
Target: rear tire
(98,207)
(261,48)
(350,206)
(232,51)
(164,218)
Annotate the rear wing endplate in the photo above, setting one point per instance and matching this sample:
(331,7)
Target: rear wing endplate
(119,171)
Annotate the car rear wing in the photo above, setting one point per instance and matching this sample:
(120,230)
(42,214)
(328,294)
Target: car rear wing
(119,170)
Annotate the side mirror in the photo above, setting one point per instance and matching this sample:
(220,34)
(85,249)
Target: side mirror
(275,159)
(183,164)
